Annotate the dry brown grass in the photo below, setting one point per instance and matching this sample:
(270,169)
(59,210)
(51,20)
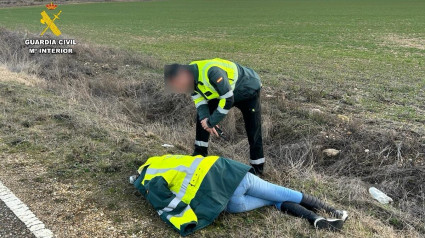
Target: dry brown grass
(406,42)
(122,98)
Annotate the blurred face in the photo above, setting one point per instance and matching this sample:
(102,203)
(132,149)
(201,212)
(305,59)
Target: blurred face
(182,82)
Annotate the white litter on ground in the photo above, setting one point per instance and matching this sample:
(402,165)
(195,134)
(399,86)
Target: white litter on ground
(167,146)
(380,196)
(24,213)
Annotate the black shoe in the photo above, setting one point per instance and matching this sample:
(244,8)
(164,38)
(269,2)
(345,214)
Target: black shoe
(315,204)
(297,210)
(203,151)
(341,214)
(257,169)
(328,224)
(317,221)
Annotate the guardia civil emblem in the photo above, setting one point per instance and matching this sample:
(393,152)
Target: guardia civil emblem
(49,22)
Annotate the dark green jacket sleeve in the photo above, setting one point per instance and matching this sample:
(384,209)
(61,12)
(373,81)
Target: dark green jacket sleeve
(219,80)
(201,106)
(157,193)
(167,205)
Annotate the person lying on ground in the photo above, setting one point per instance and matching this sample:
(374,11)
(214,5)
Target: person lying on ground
(189,192)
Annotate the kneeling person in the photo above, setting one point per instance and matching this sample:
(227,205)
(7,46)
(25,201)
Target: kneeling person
(189,192)
(216,86)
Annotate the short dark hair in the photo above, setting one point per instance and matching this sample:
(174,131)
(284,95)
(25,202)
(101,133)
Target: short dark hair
(171,70)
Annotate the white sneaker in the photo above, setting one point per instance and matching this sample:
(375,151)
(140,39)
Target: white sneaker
(342,214)
(328,224)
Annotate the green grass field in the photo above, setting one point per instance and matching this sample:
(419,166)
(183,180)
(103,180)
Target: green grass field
(369,55)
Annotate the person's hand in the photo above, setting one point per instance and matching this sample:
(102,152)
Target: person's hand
(212,131)
(205,124)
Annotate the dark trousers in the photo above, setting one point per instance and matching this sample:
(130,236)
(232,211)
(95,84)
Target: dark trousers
(251,111)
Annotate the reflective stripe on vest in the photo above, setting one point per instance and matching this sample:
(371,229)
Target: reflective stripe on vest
(180,175)
(199,100)
(204,65)
(186,216)
(189,172)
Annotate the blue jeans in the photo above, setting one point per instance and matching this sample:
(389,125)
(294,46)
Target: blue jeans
(253,192)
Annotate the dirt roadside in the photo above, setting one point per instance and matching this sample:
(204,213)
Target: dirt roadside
(71,208)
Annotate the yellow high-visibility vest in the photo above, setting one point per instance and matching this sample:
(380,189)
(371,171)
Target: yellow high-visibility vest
(184,174)
(204,65)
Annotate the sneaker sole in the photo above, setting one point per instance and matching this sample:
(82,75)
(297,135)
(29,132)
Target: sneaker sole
(330,224)
(344,216)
